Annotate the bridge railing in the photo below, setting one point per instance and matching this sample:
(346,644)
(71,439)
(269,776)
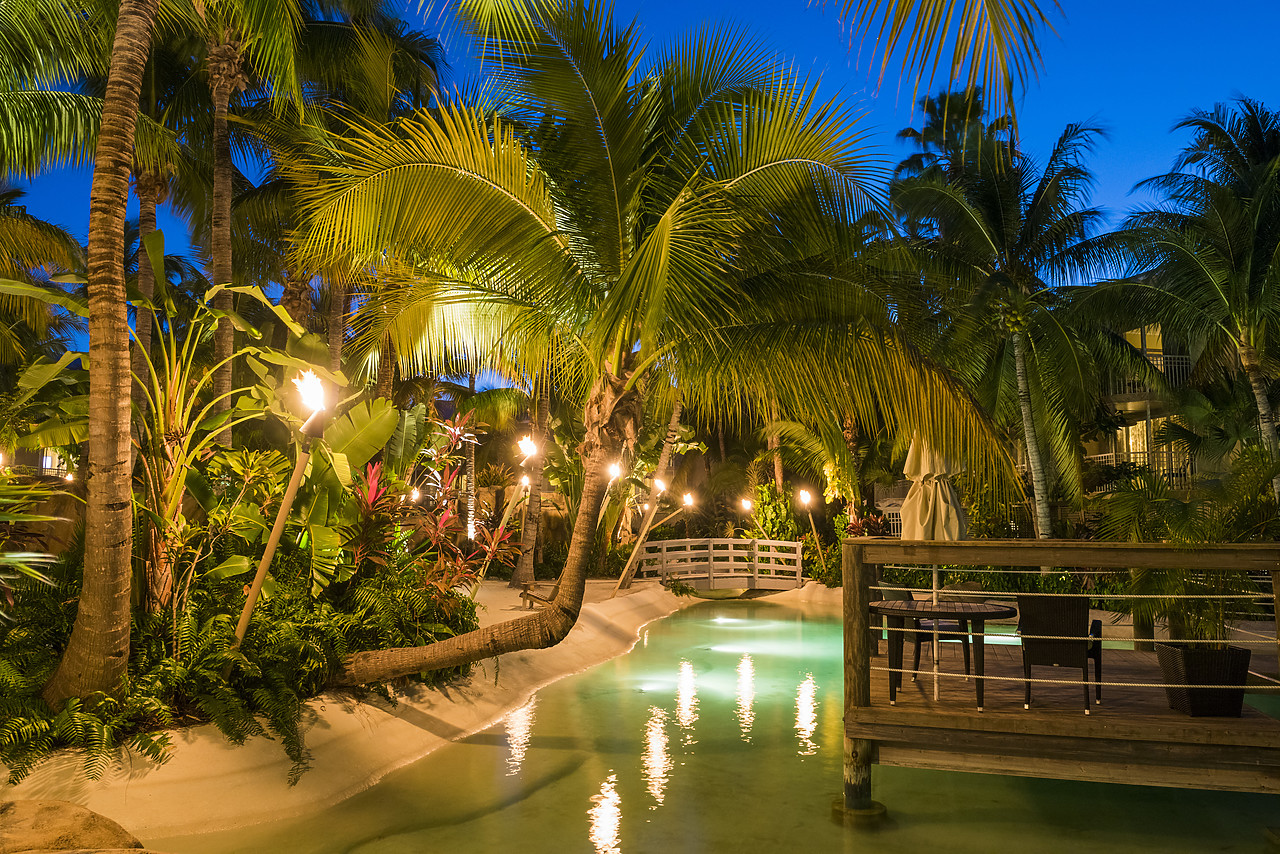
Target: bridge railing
(752,563)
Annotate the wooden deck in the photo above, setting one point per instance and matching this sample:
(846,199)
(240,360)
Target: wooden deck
(1132,737)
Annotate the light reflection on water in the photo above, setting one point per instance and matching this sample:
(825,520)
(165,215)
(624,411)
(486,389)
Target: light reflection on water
(606,818)
(807,715)
(519,731)
(746,696)
(657,761)
(686,700)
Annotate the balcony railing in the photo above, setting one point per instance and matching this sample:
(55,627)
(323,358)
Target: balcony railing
(1176,370)
(1173,466)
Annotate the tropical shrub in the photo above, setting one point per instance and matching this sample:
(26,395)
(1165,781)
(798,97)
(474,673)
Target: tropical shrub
(395,576)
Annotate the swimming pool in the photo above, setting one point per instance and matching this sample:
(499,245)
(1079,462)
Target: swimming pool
(720,732)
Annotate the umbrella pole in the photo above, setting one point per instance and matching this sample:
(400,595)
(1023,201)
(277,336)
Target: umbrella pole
(936,651)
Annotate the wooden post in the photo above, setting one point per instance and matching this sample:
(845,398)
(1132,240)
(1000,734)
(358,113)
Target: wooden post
(857,808)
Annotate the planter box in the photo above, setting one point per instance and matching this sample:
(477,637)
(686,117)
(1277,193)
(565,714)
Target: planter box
(1186,666)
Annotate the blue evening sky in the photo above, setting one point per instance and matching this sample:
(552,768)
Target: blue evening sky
(1133,66)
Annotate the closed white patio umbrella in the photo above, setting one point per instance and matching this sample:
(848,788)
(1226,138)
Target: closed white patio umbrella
(932,511)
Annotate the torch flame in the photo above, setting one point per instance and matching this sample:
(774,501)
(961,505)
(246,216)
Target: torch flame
(311,390)
(527,447)
(688,499)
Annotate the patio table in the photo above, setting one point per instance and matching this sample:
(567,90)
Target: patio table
(899,611)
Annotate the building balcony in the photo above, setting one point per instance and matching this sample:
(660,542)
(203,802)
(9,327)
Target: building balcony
(1176,370)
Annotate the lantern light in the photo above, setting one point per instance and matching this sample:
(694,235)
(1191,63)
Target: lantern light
(311,390)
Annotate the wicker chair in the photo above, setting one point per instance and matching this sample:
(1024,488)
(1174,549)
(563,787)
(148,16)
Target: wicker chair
(1043,617)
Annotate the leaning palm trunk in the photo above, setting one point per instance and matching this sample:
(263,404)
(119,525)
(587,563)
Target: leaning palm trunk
(98,651)
(1039,485)
(1267,426)
(612,419)
(533,507)
(225,78)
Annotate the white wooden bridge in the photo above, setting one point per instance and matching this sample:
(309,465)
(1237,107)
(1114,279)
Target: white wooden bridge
(718,564)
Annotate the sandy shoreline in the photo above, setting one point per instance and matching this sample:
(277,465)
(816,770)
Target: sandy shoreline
(210,784)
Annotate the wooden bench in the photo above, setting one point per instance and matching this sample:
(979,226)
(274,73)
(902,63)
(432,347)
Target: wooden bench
(532,598)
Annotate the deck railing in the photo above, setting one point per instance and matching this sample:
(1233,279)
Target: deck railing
(724,562)
(862,558)
(1174,466)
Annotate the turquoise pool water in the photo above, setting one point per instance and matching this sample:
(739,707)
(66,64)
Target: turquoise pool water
(720,732)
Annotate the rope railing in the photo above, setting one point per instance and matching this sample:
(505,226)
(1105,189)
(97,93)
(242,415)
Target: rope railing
(949,634)
(1075,683)
(1010,594)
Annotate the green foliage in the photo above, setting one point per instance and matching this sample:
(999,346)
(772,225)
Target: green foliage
(1237,508)
(772,514)
(394,574)
(18,562)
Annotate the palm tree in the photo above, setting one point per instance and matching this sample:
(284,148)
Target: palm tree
(243,42)
(993,42)
(658,202)
(1210,252)
(98,650)
(1007,237)
(28,244)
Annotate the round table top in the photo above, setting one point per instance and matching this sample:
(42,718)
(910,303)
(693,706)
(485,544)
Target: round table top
(946,610)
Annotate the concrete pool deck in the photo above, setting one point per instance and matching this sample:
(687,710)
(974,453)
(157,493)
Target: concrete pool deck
(209,783)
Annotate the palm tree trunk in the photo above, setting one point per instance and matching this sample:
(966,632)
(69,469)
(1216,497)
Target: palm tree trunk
(337,323)
(774,443)
(1266,418)
(150,192)
(149,189)
(1039,485)
(471,468)
(98,651)
(612,419)
(533,507)
(1267,427)
(386,370)
(225,78)
(295,298)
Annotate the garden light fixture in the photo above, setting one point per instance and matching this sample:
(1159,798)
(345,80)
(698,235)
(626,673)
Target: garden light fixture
(311,390)
(805,498)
